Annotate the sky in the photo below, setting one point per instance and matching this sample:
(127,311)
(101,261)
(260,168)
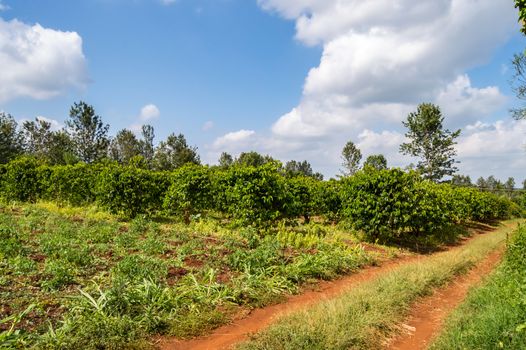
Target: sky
(295,79)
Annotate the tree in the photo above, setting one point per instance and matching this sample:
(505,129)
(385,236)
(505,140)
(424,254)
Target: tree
(294,168)
(37,135)
(510,184)
(124,147)
(225,160)
(461,180)
(481,183)
(11,139)
(351,156)
(54,147)
(253,158)
(146,144)
(88,133)
(518,84)
(431,142)
(521,5)
(174,153)
(376,161)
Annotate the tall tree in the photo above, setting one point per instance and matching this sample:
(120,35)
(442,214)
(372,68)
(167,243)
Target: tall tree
(376,161)
(147,148)
(225,160)
(253,158)
(38,138)
(88,133)
(510,184)
(351,156)
(461,180)
(431,142)
(481,183)
(296,168)
(11,139)
(174,153)
(521,5)
(124,147)
(518,84)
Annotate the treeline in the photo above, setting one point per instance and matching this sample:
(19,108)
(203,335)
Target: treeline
(382,203)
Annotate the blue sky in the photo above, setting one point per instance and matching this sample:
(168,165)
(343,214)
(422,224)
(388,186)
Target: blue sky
(292,78)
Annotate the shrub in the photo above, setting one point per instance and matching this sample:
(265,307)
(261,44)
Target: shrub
(20,181)
(190,191)
(381,203)
(131,191)
(253,195)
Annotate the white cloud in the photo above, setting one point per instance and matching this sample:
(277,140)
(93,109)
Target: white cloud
(496,149)
(380,60)
(208,125)
(463,103)
(168,2)
(37,62)
(233,140)
(3,7)
(149,112)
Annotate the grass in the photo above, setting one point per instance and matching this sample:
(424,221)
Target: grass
(494,315)
(86,280)
(367,315)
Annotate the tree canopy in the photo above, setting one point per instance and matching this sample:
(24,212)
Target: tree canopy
(434,145)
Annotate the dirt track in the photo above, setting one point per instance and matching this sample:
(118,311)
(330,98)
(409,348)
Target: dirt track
(431,311)
(428,315)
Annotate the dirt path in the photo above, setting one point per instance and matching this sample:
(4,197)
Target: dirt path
(225,337)
(428,315)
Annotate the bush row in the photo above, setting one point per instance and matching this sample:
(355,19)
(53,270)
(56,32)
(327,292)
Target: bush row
(378,202)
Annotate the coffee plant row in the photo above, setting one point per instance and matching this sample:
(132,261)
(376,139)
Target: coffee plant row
(378,202)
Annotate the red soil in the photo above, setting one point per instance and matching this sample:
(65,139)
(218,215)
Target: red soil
(429,321)
(428,315)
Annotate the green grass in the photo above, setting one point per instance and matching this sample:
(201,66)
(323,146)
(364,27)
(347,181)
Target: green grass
(367,315)
(75,280)
(494,315)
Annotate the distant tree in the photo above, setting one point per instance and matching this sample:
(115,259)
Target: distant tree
(295,168)
(61,149)
(146,144)
(431,142)
(174,153)
(518,84)
(88,133)
(376,161)
(482,183)
(461,180)
(524,184)
(225,160)
(37,134)
(11,139)
(253,158)
(493,184)
(351,156)
(510,184)
(124,147)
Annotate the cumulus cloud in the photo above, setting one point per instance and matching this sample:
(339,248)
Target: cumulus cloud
(38,62)
(391,55)
(149,112)
(233,140)
(500,147)
(382,58)
(463,103)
